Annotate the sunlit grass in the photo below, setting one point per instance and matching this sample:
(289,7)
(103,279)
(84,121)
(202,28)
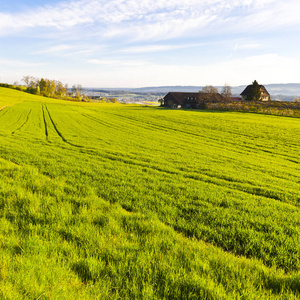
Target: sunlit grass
(111,201)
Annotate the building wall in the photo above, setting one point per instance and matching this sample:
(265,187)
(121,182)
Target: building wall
(264,94)
(265,98)
(170,101)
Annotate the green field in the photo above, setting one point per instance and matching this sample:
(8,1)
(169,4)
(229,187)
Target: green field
(112,201)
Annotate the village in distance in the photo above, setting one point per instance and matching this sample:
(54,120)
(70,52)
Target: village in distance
(151,95)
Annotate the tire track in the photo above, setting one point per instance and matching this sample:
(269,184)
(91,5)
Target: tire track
(54,126)
(45,122)
(237,145)
(218,181)
(57,130)
(103,122)
(27,119)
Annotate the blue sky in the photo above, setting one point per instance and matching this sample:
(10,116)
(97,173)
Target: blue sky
(138,43)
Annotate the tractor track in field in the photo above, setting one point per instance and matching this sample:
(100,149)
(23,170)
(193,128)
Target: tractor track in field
(27,119)
(103,122)
(238,148)
(5,111)
(110,125)
(45,122)
(219,181)
(55,128)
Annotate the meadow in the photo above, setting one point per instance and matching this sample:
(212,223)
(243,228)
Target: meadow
(112,201)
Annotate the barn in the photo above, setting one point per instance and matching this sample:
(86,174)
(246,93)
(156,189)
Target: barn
(190,100)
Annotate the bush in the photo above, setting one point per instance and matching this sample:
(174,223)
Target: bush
(279,108)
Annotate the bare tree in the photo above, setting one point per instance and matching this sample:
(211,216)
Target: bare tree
(209,89)
(26,80)
(226,92)
(77,91)
(208,94)
(30,81)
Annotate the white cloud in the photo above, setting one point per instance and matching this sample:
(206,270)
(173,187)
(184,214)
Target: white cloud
(146,19)
(102,62)
(158,48)
(149,48)
(118,63)
(19,63)
(269,68)
(54,49)
(248,46)
(92,35)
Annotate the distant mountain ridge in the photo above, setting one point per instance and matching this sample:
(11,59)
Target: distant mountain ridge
(282,91)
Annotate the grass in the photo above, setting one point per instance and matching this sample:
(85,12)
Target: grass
(110,201)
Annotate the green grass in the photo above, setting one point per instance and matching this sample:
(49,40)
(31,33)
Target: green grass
(110,201)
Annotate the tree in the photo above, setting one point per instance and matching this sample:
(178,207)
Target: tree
(30,81)
(208,94)
(43,87)
(33,82)
(60,89)
(226,92)
(161,101)
(209,89)
(254,92)
(77,91)
(52,88)
(26,80)
(66,88)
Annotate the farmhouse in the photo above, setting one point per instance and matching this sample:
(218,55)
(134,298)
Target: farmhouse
(265,96)
(190,100)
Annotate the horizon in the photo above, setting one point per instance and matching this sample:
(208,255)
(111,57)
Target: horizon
(136,44)
(178,85)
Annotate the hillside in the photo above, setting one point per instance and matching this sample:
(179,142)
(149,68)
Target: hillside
(112,201)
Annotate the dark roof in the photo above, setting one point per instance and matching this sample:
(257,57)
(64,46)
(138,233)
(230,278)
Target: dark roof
(208,97)
(182,97)
(246,91)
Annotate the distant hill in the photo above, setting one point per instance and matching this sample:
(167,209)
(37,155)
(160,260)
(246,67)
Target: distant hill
(282,91)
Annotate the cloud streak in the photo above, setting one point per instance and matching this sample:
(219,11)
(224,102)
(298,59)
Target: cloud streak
(19,63)
(148,19)
(166,41)
(158,48)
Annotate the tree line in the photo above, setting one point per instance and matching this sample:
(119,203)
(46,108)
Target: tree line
(53,88)
(211,90)
(254,93)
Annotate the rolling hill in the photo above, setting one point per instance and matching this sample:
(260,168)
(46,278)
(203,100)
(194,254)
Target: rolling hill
(112,201)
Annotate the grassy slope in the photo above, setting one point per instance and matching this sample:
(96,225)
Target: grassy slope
(112,201)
